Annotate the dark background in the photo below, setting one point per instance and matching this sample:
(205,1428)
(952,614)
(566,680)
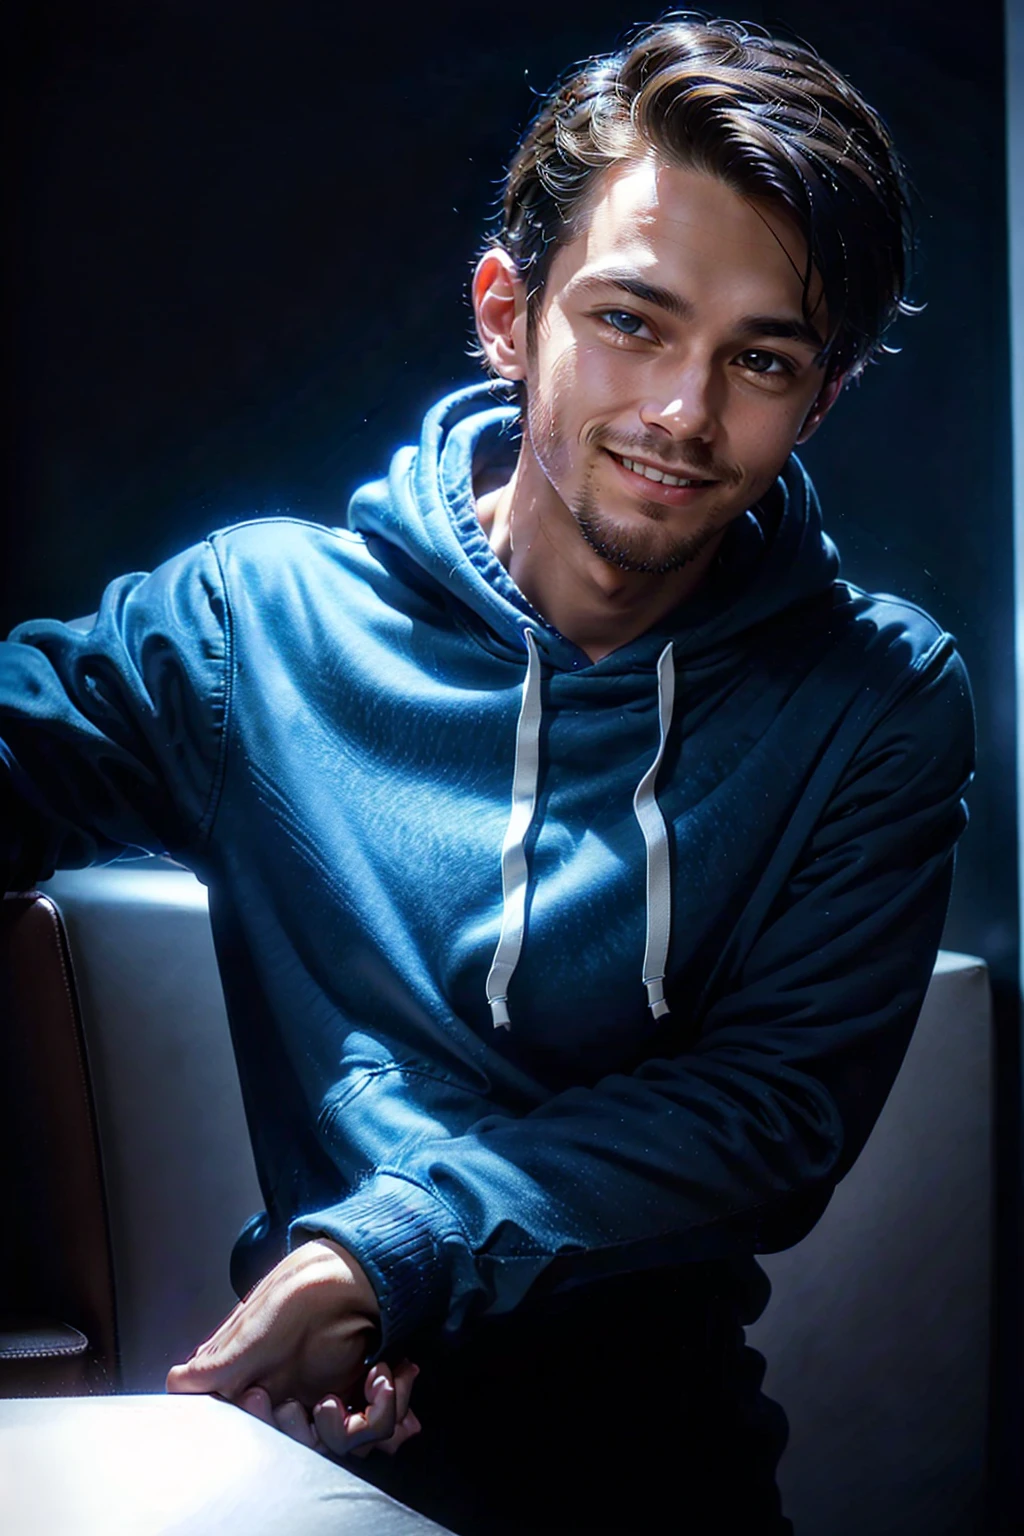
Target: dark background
(239,238)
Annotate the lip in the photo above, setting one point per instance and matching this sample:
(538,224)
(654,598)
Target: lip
(656,490)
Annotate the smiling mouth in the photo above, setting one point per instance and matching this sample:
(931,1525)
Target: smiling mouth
(659,476)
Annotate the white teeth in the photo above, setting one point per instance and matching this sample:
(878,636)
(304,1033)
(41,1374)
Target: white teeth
(656,474)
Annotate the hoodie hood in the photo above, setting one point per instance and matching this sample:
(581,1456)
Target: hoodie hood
(772,557)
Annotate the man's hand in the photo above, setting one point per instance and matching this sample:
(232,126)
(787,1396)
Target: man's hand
(384,1423)
(297,1344)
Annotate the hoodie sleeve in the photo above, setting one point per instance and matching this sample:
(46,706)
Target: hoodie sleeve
(713,1152)
(112,727)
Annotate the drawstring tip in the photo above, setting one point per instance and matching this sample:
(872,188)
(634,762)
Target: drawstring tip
(656,998)
(499,1013)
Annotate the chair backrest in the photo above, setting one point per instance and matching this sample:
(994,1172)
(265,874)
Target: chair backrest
(57,1313)
(877,1333)
(177,1160)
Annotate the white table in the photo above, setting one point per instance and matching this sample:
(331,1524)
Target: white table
(175,1466)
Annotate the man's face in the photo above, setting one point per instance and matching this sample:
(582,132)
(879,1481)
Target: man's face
(671,340)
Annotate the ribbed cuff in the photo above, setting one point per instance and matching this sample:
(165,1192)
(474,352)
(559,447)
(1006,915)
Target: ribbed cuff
(395,1230)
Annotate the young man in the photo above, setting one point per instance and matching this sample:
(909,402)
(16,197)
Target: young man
(578,844)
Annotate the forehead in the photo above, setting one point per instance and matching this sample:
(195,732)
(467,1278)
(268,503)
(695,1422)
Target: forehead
(719,250)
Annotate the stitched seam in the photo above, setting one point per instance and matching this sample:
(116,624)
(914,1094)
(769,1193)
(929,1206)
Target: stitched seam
(44,1352)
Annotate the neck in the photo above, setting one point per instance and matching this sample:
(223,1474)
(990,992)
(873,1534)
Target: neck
(593,603)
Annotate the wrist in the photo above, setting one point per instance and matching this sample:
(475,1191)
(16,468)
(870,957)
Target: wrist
(364,1297)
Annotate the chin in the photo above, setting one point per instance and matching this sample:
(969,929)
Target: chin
(652,550)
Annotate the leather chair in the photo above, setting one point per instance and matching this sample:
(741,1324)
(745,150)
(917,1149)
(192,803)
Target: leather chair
(57,1313)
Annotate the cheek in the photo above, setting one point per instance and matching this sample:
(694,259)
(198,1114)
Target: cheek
(576,389)
(762,433)
(586,389)
(563,375)
(610,382)
(550,408)
(579,374)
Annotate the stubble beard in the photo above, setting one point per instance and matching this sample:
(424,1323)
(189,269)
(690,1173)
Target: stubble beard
(644,550)
(640,550)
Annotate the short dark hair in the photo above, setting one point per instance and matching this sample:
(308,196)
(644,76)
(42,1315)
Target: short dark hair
(767,117)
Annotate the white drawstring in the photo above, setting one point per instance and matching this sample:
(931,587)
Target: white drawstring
(652,825)
(514,874)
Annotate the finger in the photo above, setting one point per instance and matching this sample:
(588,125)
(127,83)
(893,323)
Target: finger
(293,1420)
(404,1431)
(409,1426)
(342,1429)
(405,1375)
(406,1422)
(378,1419)
(330,1420)
(257,1402)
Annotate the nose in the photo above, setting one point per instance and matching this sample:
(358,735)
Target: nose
(683,408)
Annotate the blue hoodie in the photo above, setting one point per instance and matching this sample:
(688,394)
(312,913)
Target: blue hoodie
(538,969)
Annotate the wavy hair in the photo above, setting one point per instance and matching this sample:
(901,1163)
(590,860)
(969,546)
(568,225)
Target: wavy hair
(767,117)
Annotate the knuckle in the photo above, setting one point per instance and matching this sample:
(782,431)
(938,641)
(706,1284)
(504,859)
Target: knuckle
(333,1435)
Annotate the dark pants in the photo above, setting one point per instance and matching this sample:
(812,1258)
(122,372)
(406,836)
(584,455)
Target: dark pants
(627,1406)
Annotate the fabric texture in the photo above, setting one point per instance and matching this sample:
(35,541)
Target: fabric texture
(323,724)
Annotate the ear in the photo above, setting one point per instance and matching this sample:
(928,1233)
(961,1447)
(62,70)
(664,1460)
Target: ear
(499,304)
(824,402)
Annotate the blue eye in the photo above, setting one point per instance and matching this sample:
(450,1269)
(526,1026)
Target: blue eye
(622,320)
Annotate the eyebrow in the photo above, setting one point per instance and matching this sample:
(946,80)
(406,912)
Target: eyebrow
(781,327)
